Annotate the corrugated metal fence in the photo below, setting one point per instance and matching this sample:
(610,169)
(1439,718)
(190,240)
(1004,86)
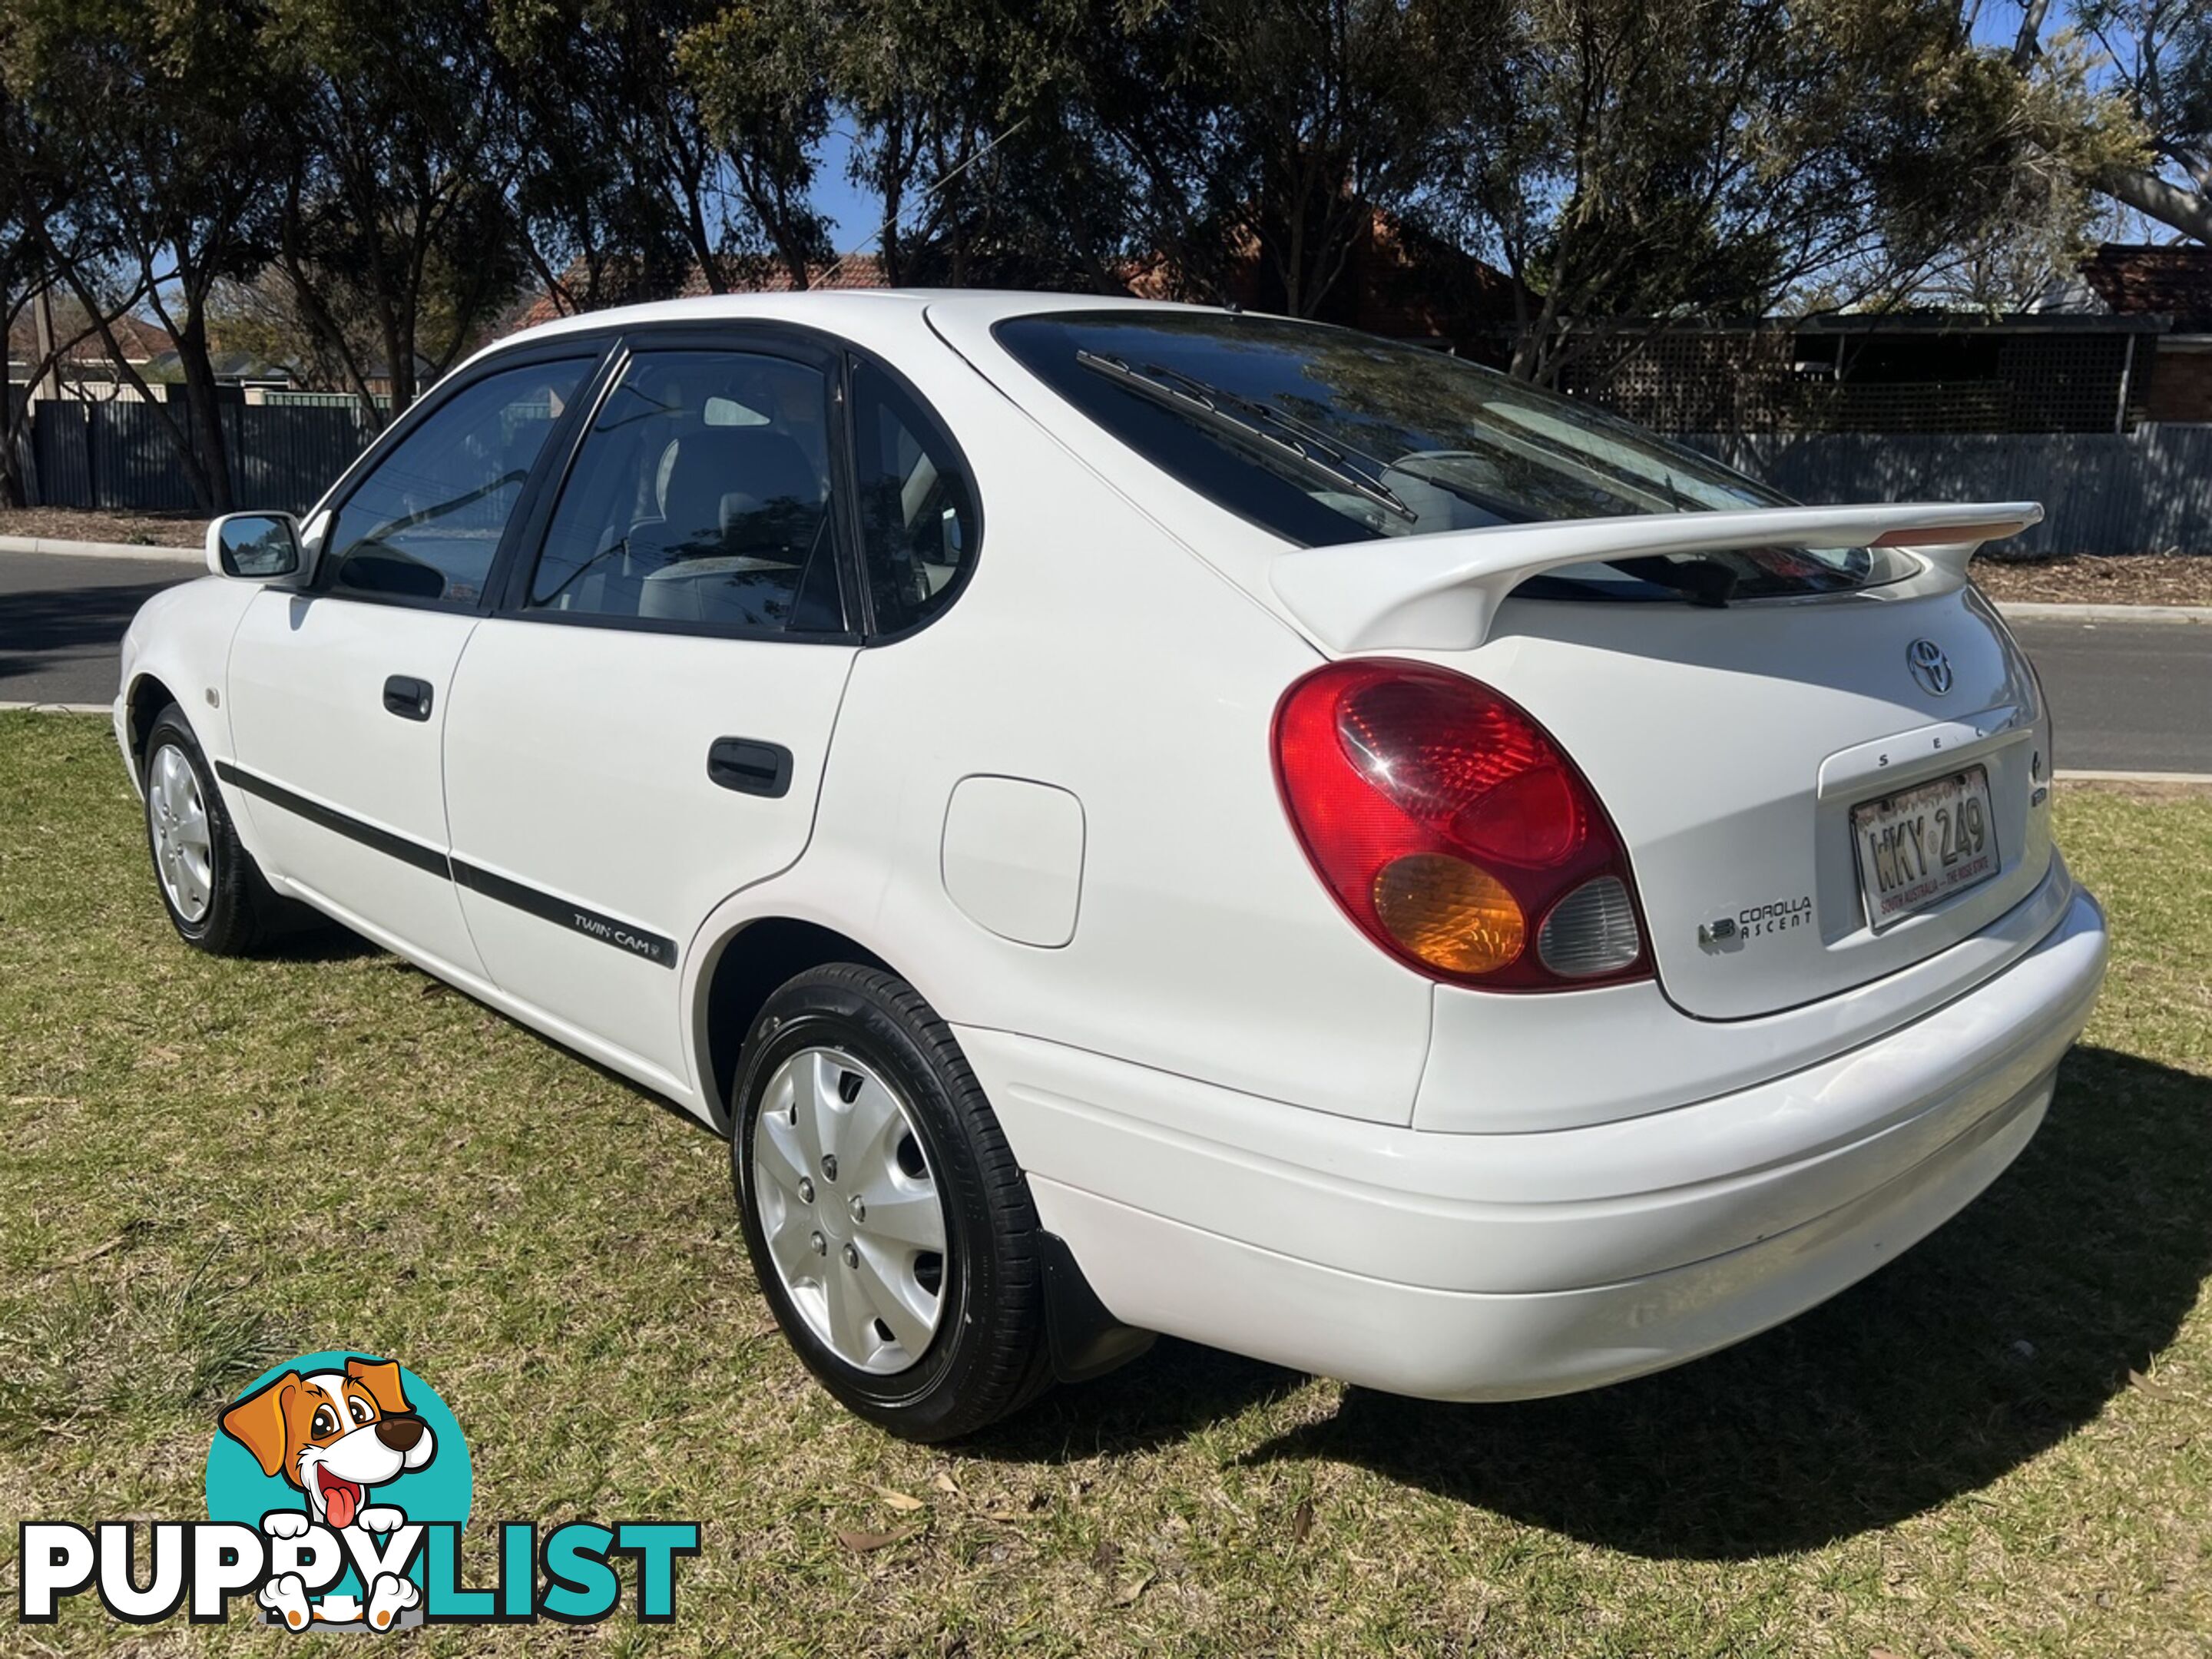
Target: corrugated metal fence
(2146,491)
(118,456)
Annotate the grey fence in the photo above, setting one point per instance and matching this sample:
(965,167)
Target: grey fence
(2146,491)
(120,457)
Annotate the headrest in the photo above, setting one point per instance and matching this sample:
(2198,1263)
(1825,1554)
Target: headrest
(717,469)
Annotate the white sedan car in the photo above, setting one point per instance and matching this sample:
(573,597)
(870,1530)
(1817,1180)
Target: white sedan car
(1139,819)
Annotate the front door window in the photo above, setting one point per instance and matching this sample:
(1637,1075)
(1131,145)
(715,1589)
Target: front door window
(426,521)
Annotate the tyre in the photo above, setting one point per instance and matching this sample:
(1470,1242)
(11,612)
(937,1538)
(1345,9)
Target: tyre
(214,893)
(891,1228)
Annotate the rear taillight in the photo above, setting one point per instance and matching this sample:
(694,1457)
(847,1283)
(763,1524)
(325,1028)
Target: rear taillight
(1454,831)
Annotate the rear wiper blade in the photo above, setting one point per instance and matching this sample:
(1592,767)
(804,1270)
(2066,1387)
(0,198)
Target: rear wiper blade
(1284,434)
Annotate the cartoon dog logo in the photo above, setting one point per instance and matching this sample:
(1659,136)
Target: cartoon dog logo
(334,1435)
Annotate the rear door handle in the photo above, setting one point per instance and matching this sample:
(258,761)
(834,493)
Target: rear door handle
(749,767)
(408,698)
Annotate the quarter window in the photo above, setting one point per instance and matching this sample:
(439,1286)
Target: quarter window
(918,519)
(426,521)
(702,495)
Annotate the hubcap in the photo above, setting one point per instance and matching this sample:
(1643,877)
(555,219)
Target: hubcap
(184,855)
(861,1255)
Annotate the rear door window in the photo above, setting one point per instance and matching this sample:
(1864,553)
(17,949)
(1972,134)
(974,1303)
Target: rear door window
(701,496)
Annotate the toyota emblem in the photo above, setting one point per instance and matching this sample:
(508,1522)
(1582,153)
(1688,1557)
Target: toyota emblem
(1930,665)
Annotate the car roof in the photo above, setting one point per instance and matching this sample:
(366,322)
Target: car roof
(825,308)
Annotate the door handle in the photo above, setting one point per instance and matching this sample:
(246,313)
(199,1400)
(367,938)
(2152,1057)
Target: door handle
(408,698)
(750,768)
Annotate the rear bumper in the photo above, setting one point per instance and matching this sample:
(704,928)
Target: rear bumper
(1505,1265)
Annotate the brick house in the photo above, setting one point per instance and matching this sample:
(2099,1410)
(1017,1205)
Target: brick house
(2175,284)
(85,369)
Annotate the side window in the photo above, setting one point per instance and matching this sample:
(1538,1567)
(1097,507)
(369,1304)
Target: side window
(701,494)
(426,521)
(918,519)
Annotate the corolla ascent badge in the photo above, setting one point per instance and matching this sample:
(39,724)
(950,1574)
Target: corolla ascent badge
(1930,665)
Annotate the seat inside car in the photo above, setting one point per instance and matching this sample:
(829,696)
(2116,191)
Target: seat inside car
(730,490)
(729,517)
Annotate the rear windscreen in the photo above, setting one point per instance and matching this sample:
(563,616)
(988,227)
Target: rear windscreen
(1323,435)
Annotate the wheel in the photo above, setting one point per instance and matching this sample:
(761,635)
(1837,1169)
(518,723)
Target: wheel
(214,893)
(889,1224)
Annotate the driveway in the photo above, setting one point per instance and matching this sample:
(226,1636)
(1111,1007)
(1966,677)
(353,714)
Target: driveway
(2127,696)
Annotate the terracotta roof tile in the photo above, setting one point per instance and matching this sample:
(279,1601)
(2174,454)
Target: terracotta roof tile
(141,340)
(2177,281)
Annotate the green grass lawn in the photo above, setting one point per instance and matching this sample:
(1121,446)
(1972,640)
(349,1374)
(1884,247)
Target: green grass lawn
(2000,1445)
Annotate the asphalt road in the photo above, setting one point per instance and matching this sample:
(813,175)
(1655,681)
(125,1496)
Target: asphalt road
(2127,696)
(60,619)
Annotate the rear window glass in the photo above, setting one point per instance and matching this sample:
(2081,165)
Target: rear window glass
(1324,435)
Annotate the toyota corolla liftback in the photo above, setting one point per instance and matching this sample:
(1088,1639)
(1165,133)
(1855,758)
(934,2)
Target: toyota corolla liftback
(1134,818)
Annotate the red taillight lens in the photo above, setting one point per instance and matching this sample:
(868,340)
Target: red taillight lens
(1454,831)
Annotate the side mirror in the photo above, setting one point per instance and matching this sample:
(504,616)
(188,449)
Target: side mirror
(254,547)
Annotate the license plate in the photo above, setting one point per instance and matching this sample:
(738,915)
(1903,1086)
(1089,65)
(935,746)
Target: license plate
(1920,845)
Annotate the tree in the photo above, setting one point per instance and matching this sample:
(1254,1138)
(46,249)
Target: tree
(933,86)
(1033,205)
(31,205)
(41,236)
(1254,131)
(262,317)
(2157,56)
(395,218)
(760,76)
(1726,157)
(150,109)
(932,91)
(618,193)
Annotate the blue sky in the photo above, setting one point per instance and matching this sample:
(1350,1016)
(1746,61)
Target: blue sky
(1997,23)
(852,216)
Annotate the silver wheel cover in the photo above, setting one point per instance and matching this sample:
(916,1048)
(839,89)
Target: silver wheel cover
(849,1208)
(184,850)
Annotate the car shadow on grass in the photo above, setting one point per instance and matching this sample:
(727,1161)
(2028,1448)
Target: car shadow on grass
(1989,1343)
(1172,1392)
(317,940)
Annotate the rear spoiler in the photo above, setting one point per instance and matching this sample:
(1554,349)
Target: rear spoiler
(1441,591)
